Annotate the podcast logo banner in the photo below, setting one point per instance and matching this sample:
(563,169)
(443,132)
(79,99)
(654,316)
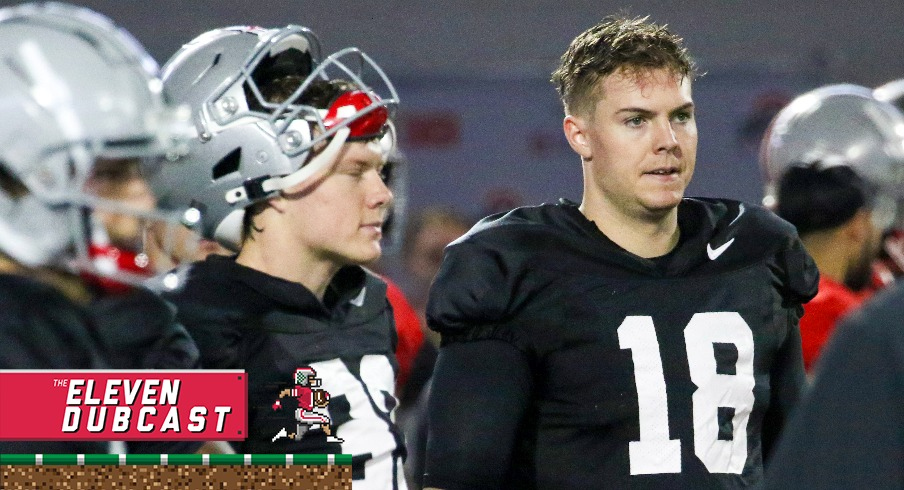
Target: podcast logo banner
(149,405)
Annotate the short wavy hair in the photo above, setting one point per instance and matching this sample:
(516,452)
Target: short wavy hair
(616,43)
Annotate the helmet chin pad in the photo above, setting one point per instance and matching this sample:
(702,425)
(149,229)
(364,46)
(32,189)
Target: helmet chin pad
(229,232)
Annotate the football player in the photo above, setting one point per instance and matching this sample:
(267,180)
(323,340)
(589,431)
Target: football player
(830,160)
(80,98)
(635,339)
(288,172)
(848,432)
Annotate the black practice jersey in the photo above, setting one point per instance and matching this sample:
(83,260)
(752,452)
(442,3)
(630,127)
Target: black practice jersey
(568,362)
(849,430)
(242,318)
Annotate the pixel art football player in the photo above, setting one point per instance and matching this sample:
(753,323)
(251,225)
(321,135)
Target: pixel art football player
(308,399)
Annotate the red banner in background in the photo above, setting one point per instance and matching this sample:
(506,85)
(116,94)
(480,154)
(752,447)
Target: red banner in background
(116,405)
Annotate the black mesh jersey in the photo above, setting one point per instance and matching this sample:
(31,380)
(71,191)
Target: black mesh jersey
(242,318)
(620,371)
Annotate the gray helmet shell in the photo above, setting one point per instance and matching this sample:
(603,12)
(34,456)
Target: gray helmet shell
(840,125)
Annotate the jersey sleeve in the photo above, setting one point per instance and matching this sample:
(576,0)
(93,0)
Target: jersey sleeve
(798,280)
(798,273)
(483,379)
(787,382)
(472,294)
(478,398)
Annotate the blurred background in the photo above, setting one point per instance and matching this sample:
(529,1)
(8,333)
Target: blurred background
(479,121)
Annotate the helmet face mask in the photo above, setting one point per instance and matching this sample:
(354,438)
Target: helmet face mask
(253,145)
(305,377)
(892,92)
(74,89)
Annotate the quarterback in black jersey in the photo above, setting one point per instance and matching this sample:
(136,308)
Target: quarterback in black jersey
(638,339)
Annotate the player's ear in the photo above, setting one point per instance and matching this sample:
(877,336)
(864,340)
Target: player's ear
(575,128)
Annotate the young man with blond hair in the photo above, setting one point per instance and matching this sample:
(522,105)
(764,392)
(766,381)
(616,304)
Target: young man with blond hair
(636,339)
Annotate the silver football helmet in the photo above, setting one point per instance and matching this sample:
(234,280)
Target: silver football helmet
(249,148)
(74,89)
(840,125)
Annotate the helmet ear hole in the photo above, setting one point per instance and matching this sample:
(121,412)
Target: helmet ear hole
(229,164)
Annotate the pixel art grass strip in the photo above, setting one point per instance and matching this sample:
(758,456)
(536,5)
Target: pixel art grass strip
(175,459)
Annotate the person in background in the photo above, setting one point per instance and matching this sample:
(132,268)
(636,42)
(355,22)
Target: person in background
(81,108)
(848,432)
(831,207)
(831,158)
(426,235)
(890,266)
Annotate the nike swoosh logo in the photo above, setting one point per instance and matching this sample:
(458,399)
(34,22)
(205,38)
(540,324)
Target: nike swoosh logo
(359,299)
(740,212)
(715,253)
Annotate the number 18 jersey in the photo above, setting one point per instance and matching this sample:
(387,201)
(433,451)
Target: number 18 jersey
(672,372)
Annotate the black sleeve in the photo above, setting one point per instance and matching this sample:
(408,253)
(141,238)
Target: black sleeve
(479,395)
(787,380)
(220,345)
(799,279)
(849,431)
(471,292)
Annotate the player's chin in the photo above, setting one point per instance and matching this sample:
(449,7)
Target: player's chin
(664,198)
(365,253)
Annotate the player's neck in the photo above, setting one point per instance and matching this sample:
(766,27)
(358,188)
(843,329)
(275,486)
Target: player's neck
(277,256)
(9,266)
(644,236)
(829,252)
(70,285)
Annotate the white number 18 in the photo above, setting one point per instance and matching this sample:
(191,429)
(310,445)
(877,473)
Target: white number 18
(655,452)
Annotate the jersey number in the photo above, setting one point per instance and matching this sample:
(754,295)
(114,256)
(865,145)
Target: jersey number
(728,397)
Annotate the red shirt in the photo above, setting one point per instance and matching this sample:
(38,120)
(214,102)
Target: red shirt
(408,327)
(305,397)
(821,314)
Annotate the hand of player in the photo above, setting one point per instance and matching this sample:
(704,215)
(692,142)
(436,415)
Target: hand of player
(277,405)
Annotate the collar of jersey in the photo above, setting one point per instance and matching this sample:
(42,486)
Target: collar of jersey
(344,287)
